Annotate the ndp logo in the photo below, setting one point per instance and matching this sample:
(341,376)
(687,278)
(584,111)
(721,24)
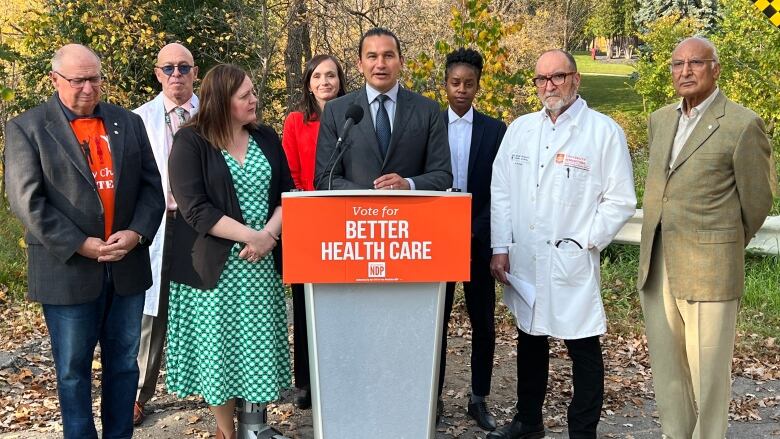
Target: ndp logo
(376,269)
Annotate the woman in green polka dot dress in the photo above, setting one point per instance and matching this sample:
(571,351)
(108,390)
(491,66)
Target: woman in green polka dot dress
(227,324)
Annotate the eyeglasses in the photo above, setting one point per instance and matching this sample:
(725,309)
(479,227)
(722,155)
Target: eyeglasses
(694,64)
(168,69)
(96,81)
(556,79)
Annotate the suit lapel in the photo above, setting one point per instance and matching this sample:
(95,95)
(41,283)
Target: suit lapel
(403,112)
(665,135)
(366,126)
(707,125)
(116,129)
(477,130)
(59,129)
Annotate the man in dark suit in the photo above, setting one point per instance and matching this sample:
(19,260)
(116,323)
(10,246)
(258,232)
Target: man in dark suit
(82,178)
(474,139)
(400,143)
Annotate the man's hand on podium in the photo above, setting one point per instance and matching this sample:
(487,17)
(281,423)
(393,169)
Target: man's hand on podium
(391,181)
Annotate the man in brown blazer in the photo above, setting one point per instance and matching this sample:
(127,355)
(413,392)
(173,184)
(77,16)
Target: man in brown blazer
(708,190)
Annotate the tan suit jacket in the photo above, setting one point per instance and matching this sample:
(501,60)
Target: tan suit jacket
(711,203)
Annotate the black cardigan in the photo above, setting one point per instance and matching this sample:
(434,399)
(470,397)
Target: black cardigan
(203,188)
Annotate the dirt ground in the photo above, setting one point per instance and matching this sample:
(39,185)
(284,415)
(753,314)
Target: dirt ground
(629,410)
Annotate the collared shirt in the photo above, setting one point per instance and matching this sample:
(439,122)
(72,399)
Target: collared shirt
(172,126)
(390,104)
(686,124)
(459,134)
(71,116)
(551,133)
(373,104)
(170,110)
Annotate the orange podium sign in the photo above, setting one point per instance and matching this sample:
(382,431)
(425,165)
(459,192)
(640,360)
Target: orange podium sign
(376,236)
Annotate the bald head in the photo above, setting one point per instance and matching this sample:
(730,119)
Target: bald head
(76,77)
(73,53)
(556,55)
(175,50)
(177,85)
(701,43)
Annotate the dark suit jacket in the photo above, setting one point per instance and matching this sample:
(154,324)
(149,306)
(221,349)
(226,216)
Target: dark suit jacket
(203,188)
(418,147)
(52,191)
(710,205)
(486,136)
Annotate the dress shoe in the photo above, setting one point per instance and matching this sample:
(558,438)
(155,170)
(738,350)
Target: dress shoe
(138,414)
(303,399)
(480,413)
(518,430)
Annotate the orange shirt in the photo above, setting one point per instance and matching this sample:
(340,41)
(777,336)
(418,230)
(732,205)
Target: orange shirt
(91,135)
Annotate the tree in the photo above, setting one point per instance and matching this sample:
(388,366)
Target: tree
(655,79)
(122,32)
(749,50)
(614,20)
(704,11)
(298,50)
(473,25)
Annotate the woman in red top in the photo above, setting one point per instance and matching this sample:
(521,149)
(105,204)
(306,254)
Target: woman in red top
(323,80)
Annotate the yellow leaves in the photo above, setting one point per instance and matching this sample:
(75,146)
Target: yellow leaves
(21,242)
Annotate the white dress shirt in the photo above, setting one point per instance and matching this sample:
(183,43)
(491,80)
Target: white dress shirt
(687,123)
(390,104)
(459,134)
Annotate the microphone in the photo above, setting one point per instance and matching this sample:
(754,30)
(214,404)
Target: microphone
(354,115)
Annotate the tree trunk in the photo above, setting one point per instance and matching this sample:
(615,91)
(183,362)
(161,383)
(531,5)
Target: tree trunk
(298,50)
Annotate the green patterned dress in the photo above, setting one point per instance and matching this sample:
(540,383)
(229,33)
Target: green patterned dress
(231,341)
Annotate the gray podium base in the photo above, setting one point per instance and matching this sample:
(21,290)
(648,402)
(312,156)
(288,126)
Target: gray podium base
(374,357)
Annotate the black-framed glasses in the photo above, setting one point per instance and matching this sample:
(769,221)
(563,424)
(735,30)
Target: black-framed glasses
(95,81)
(695,64)
(556,79)
(183,69)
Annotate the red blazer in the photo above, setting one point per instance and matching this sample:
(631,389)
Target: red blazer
(299,140)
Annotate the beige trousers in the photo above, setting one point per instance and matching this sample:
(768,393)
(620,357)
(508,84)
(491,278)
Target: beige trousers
(691,346)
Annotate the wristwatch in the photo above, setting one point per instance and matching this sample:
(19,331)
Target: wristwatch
(142,240)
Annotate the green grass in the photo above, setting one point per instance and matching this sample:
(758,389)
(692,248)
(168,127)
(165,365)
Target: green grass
(759,315)
(616,67)
(13,259)
(608,94)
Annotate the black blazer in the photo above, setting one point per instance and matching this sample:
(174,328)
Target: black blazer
(52,191)
(418,146)
(486,136)
(204,192)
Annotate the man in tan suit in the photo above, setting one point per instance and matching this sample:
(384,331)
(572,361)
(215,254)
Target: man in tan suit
(708,190)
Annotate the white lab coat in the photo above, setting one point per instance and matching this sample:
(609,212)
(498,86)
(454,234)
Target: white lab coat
(153,115)
(585,192)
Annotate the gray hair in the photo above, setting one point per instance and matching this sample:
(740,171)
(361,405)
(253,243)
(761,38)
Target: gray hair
(56,59)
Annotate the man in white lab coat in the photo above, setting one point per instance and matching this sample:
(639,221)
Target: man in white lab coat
(562,188)
(162,116)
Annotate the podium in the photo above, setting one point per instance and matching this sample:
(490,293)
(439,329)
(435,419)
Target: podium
(375,264)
